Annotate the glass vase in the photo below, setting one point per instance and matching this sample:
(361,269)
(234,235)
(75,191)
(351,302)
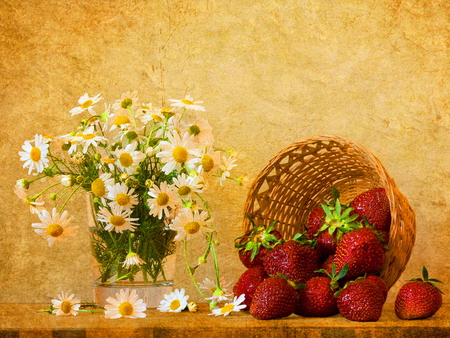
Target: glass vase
(142,259)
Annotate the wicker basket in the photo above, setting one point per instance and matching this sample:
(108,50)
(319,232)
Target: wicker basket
(301,176)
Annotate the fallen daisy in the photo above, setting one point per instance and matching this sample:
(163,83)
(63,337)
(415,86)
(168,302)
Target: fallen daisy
(66,305)
(174,302)
(234,306)
(125,305)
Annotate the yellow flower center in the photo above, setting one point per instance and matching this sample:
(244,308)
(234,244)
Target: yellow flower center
(108,160)
(35,154)
(184,190)
(162,199)
(207,163)
(227,308)
(180,154)
(122,199)
(157,118)
(175,304)
(126,160)
(98,187)
(125,309)
(187,102)
(66,307)
(117,221)
(194,130)
(86,104)
(54,230)
(192,227)
(121,119)
(88,136)
(126,103)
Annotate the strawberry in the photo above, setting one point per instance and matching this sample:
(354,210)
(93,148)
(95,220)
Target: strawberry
(362,251)
(360,300)
(248,282)
(377,280)
(253,246)
(327,264)
(329,223)
(293,259)
(275,297)
(373,205)
(419,298)
(317,298)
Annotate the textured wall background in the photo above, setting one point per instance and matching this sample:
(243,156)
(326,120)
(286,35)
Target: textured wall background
(270,73)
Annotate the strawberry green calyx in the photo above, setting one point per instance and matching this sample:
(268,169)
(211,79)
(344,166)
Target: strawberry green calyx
(425,279)
(258,237)
(338,220)
(334,283)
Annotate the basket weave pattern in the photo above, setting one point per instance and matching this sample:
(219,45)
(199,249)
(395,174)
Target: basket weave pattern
(300,177)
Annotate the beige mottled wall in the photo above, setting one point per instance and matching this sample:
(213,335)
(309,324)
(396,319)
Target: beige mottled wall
(270,73)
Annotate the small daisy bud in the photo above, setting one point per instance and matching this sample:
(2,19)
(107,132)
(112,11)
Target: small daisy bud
(79,179)
(97,157)
(149,183)
(202,260)
(124,177)
(192,307)
(135,184)
(216,242)
(53,197)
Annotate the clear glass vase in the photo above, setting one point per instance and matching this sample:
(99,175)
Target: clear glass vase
(149,251)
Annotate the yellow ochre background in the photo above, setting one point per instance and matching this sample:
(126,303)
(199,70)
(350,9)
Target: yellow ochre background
(270,73)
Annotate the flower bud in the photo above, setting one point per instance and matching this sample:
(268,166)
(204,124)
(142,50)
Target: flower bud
(192,307)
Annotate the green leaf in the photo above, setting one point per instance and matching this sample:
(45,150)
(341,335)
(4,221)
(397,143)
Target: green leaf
(335,194)
(424,273)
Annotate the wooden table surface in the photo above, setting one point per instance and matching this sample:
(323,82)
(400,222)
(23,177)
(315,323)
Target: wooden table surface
(24,321)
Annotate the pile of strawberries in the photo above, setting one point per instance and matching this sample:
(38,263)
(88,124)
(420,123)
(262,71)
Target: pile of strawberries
(331,268)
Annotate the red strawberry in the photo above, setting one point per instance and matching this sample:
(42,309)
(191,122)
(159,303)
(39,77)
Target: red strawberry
(362,251)
(317,297)
(274,298)
(253,245)
(327,264)
(248,282)
(374,205)
(377,280)
(360,300)
(419,298)
(329,224)
(293,260)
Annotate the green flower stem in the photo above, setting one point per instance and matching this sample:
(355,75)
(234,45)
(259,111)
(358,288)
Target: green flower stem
(46,189)
(68,198)
(215,261)
(191,274)
(91,311)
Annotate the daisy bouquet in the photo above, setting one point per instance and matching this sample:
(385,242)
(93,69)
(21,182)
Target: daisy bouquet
(144,169)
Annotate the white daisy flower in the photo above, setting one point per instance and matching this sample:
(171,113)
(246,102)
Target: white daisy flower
(188,103)
(117,219)
(128,100)
(129,158)
(132,259)
(128,135)
(86,104)
(210,160)
(36,206)
(163,198)
(187,185)
(174,302)
(119,121)
(100,185)
(126,304)
(228,164)
(55,226)
(89,138)
(235,306)
(218,294)
(122,196)
(201,130)
(35,156)
(148,113)
(177,152)
(189,223)
(65,305)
